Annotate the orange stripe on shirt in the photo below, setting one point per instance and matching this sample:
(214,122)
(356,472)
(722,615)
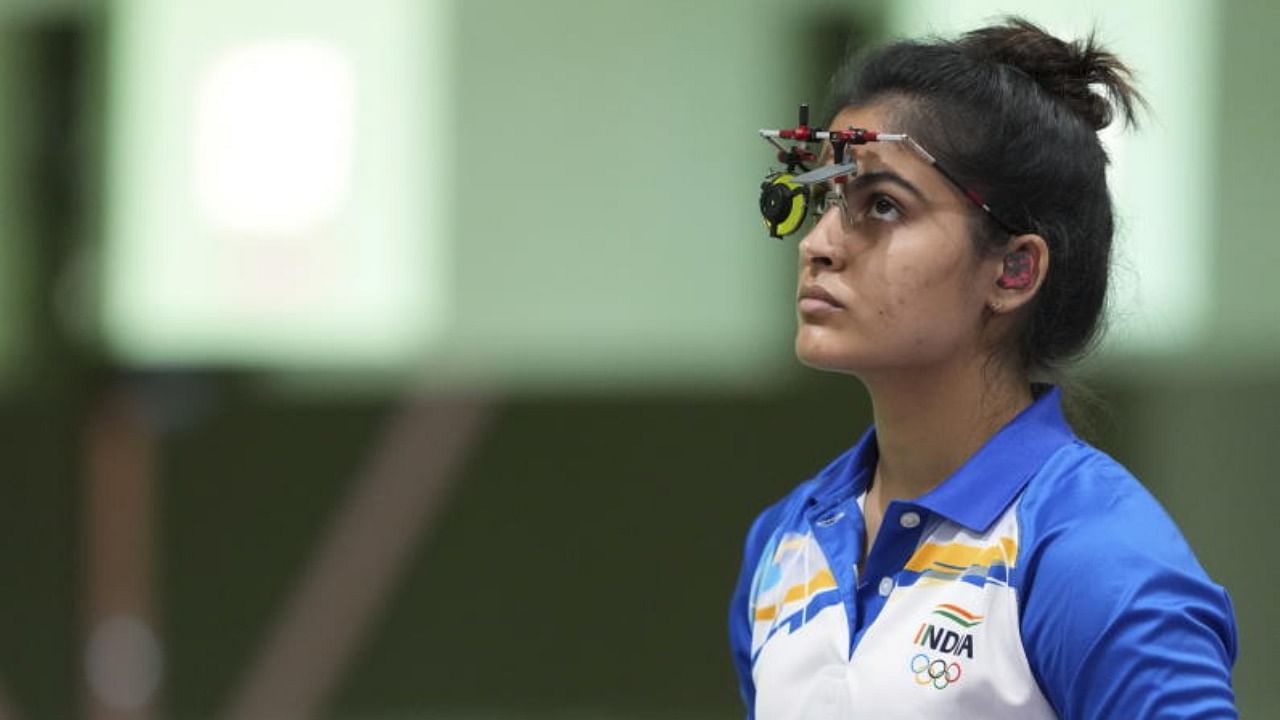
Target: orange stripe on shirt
(963,556)
(822,580)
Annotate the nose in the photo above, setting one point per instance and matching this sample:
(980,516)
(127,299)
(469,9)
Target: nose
(823,246)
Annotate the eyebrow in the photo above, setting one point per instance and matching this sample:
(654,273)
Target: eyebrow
(862,180)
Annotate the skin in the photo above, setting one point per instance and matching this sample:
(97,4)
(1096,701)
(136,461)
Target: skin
(919,317)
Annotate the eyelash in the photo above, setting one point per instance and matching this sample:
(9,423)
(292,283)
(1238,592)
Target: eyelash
(877,198)
(872,199)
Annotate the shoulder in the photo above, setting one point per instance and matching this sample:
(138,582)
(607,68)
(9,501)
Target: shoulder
(1116,609)
(835,479)
(1083,497)
(787,513)
(1084,511)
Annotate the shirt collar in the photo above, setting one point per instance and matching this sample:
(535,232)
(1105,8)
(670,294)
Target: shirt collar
(980,490)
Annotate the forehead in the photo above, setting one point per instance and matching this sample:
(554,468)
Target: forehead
(870,116)
(877,155)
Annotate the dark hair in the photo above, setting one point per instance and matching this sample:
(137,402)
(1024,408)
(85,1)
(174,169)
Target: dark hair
(1013,113)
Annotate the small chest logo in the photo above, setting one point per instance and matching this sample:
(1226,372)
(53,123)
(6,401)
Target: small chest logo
(935,668)
(935,672)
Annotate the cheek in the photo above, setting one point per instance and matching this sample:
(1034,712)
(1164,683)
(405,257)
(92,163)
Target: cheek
(908,290)
(890,286)
(930,301)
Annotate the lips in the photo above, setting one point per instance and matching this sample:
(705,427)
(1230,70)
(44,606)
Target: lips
(813,298)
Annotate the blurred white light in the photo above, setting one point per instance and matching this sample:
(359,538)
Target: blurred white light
(275,128)
(271,199)
(123,662)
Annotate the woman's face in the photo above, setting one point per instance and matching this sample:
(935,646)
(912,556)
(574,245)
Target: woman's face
(908,287)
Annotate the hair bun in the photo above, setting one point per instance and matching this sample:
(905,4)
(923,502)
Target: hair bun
(1068,71)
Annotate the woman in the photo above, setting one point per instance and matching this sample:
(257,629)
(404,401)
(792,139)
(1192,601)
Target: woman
(970,557)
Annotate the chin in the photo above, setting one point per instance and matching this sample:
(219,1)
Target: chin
(823,348)
(820,353)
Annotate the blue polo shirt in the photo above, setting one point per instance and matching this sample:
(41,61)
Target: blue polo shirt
(1038,580)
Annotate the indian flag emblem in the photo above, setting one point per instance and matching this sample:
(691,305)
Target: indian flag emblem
(957,614)
(943,639)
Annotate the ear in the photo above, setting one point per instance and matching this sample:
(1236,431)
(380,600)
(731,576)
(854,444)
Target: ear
(1018,274)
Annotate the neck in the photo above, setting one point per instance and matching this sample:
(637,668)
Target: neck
(930,421)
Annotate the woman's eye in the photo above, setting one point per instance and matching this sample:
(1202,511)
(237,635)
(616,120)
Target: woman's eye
(883,208)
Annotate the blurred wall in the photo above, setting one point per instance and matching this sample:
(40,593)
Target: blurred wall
(17,203)
(44,377)
(1205,427)
(1247,214)
(583,561)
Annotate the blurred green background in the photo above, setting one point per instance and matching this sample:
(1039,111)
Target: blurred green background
(543,215)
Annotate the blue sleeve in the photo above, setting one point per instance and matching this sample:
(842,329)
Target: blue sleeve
(740,606)
(1119,619)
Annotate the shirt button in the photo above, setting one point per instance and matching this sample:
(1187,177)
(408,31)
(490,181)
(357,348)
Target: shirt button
(886,586)
(830,520)
(909,519)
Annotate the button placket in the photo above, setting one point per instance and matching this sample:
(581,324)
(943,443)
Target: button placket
(886,586)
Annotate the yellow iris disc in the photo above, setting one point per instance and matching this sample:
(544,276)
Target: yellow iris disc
(796,211)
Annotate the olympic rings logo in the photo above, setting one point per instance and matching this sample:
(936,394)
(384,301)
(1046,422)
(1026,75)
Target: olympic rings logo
(937,673)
